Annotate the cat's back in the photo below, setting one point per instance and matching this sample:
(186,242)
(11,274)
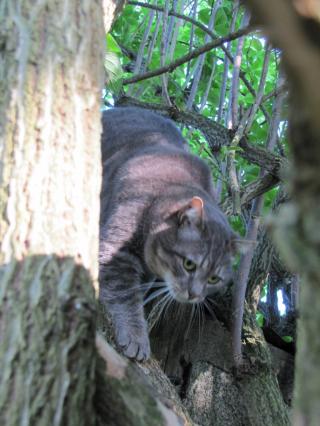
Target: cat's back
(131,130)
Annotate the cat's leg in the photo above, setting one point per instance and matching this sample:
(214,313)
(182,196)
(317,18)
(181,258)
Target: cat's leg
(120,280)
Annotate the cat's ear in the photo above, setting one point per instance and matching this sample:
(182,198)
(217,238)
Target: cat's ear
(193,213)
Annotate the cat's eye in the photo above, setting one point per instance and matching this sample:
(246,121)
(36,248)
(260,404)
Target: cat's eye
(189,265)
(214,279)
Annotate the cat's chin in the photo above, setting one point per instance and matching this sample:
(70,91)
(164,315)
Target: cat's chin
(184,297)
(193,301)
(179,295)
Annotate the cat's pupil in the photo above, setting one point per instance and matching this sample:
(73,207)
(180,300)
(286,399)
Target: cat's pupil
(189,265)
(214,279)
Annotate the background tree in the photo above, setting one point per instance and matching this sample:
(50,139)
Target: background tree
(297,34)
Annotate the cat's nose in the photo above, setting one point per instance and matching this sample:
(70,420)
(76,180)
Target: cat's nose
(193,294)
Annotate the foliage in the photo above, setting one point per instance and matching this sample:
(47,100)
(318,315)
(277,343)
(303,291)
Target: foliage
(131,29)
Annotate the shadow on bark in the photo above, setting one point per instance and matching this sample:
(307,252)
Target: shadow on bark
(47,342)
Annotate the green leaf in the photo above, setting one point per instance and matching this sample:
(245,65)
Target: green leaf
(204,15)
(264,291)
(113,67)
(260,318)
(112,45)
(287,339)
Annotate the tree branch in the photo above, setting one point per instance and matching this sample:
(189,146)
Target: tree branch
(231,166)
(251,191)
(120,381)
(216,136)
(199,66)
(260,91)
(211,34)
(177,15)
(188,57)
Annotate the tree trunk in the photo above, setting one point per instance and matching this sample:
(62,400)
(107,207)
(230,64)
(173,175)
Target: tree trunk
(295,29)
(296,229)
(198,359)
(51,78)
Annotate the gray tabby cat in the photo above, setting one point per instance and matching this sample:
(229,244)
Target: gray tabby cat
(159,219)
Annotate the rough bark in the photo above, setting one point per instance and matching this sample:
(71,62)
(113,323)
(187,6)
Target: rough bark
(47,342)
(132,394)
(49,183)
(49,110)
(198,359)
(51,77)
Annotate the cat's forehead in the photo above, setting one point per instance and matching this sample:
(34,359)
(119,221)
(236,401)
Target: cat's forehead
(203,252)
(197,252)
(212,234)
(208,247)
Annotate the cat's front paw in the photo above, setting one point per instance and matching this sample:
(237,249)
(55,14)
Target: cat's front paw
(134,344)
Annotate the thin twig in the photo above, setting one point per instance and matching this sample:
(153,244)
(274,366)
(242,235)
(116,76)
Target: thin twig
(188,57)
(174,38)
(262,82)
(228,57)
(199,67)
(139,58)
(282,89)
(250,191)
(194,13)
(163,50)
(236,75)
(212,34)
(231,167)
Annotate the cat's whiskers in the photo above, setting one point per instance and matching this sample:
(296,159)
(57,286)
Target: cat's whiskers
(155,294)
(190,321)
(171,302)
(199,320)
(151,284)
(144,288)
(160,305)
(166,305)
(201,305)
(209,308)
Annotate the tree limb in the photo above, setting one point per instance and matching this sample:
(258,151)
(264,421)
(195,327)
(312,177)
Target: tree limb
(188,57)
(249,192)
(231,166)
(211,34)
(216,136)
(130,394)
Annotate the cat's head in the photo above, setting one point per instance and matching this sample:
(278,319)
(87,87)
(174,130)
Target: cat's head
(192,251)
